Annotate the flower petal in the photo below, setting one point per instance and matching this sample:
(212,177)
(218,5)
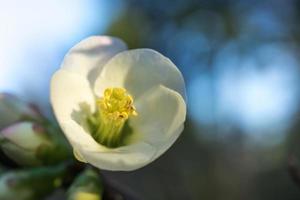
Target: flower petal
(162,112)
(68,92)
(78,137)
(160,121)
(88,56)
(126,158)
(139,70)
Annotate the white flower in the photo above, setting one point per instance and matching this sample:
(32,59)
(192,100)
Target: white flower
(120,109)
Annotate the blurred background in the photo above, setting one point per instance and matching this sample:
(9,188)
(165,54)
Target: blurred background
(240,60)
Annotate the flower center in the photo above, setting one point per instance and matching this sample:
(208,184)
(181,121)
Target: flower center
(116,105)
(113,111)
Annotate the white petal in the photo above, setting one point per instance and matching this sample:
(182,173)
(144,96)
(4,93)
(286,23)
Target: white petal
(88,56)
(161,114)
(126,158)
(68,92)
(78,156)
(78,137)
(170,142)
(159,123)
(139,70)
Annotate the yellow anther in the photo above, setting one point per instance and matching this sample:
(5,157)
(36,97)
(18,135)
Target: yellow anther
(116,104)
(113,111)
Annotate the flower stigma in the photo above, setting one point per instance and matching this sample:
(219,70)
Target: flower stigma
(112,112)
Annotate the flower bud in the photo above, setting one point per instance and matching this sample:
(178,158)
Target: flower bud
(88,186)
(13,109)
(30,144)
(31,184)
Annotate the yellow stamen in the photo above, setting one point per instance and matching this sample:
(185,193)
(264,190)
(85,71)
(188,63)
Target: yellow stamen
(116,104)
(114,109)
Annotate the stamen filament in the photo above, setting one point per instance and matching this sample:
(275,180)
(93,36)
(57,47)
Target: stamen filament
(113,111)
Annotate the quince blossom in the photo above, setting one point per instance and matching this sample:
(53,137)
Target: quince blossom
(120,109)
